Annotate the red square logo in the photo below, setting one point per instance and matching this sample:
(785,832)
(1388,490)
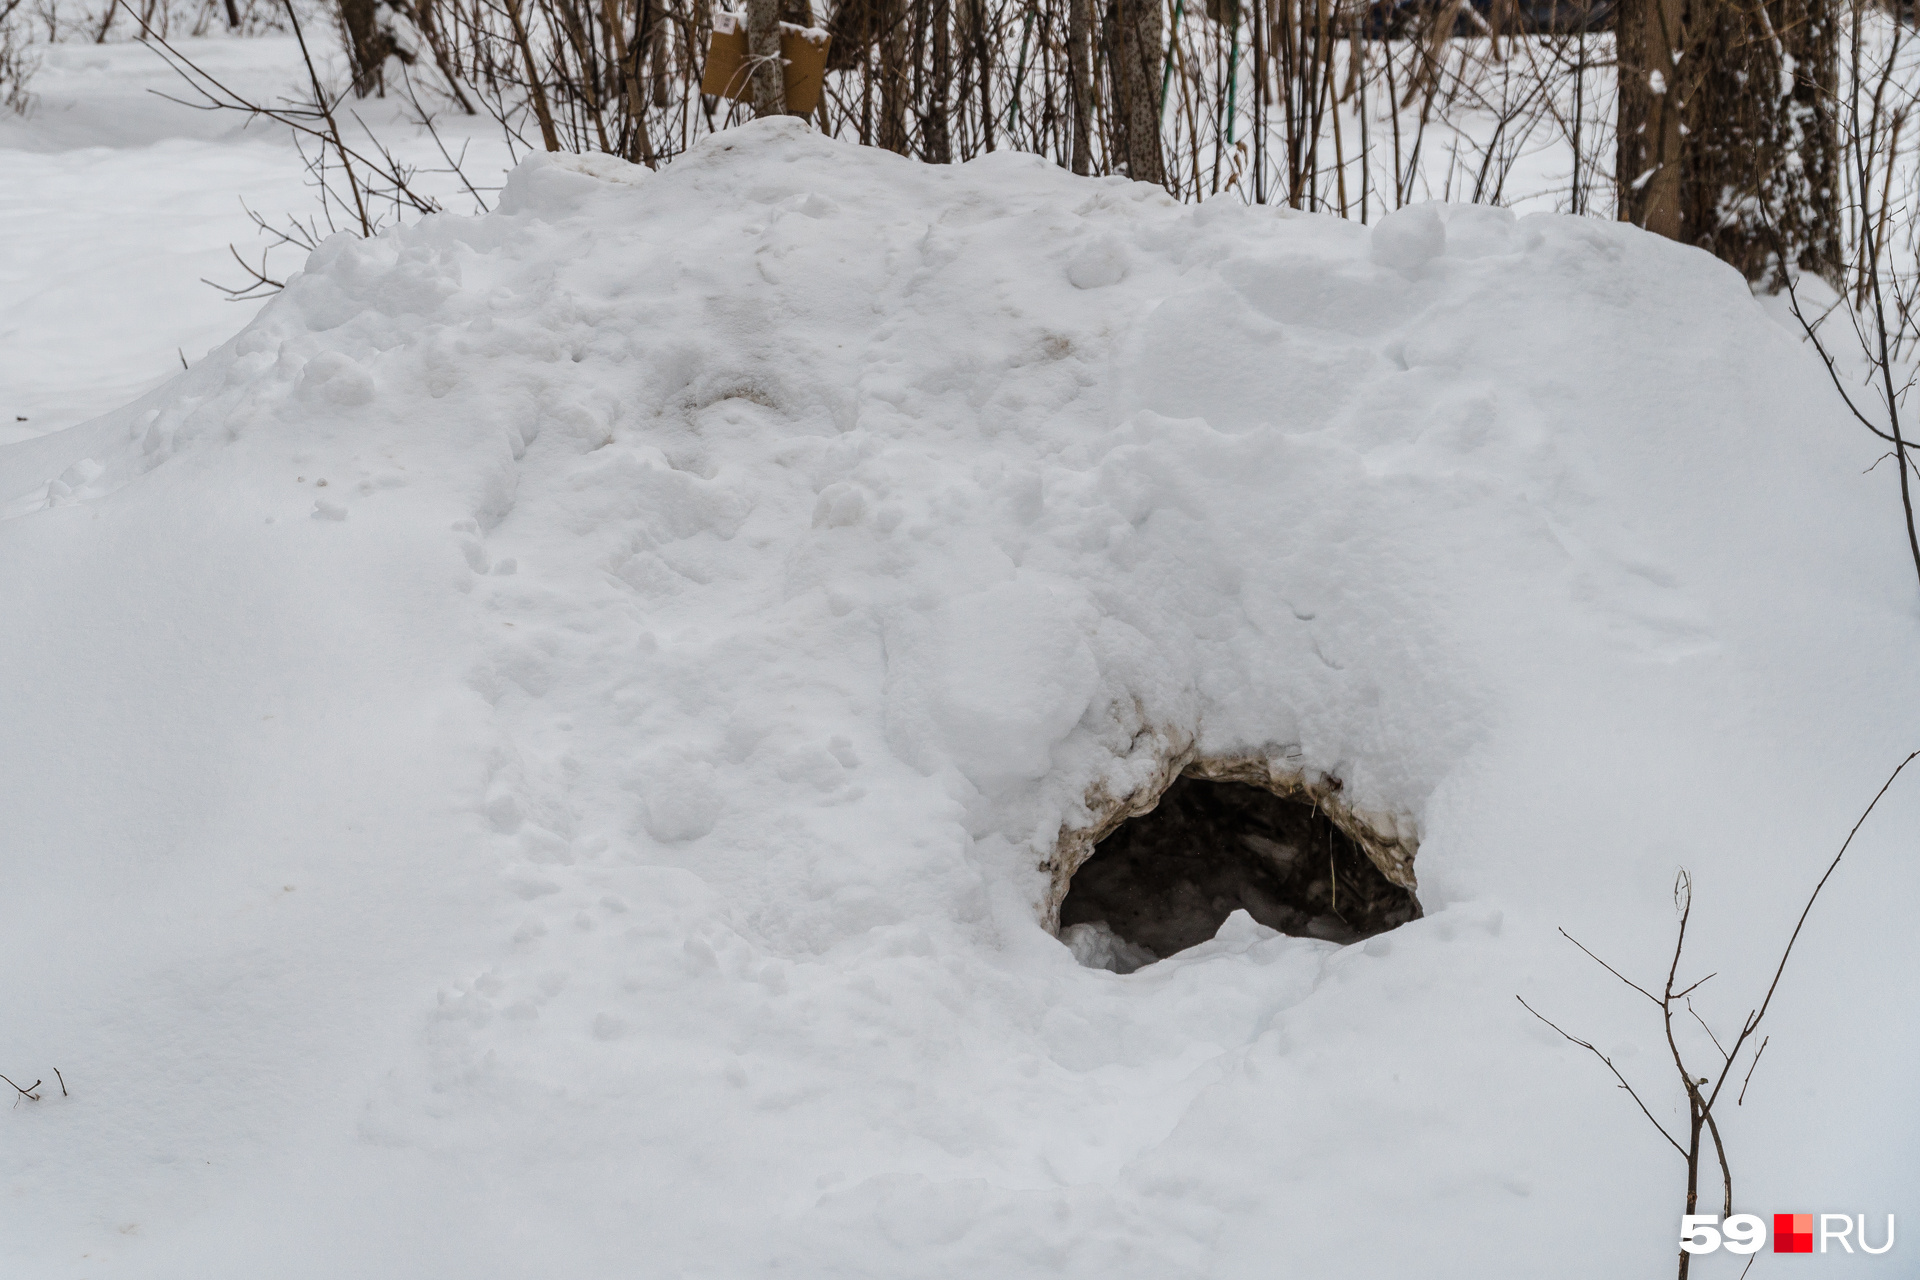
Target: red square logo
(1793,1233)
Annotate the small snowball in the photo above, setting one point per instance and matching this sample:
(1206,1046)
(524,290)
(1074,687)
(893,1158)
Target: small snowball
(812,205)
(504,812)
(1410,238)
(681,802)
(1096,265)
(1097,946)
(839,506)
(335,378)
(81,473)
(813,766)
(1479,231)
(1007,675)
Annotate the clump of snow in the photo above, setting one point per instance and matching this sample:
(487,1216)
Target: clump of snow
(542,754)
(1095,945)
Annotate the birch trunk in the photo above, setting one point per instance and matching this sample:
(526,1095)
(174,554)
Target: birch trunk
(1142,50)
(763,47)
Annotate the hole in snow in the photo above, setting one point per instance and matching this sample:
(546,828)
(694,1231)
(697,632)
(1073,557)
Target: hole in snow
(1167,879)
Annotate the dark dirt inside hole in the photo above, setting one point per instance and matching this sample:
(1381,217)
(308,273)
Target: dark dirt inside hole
(1167,879)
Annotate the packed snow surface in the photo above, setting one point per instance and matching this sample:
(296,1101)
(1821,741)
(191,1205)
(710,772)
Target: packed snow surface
(537,757)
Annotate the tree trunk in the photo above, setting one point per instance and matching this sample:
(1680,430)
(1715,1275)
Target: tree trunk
(1765,173)
(983,67)
(938,143)
(639,147)
(368,44)
(1141,53)
(1727,135)
(660,95)
(1080,61)
(763,48)
(1648,35)
(893,78)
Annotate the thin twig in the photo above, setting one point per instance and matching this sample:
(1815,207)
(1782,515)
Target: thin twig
(1753,1020)
(1703,1022)
(1741,1101)
(1616,1075)
(1610,969)
(27,1092)
(1683,994)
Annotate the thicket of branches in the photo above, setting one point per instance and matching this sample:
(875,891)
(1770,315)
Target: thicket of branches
(1334,105)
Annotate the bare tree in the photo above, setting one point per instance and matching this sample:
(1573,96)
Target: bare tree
(17,65)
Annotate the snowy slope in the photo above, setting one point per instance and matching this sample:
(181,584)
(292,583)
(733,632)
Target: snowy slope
(537,758)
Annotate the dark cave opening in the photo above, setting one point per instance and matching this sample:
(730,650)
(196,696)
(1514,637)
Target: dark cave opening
(1167,880)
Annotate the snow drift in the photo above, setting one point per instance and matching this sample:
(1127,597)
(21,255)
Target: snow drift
(555,750)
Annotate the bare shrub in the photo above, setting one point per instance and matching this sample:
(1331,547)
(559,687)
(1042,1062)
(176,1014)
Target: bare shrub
(1704,1091)
(17,60)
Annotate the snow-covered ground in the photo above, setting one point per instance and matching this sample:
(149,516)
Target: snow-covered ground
(116,204)
(536,757)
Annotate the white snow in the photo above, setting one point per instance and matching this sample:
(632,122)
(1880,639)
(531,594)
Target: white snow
(118,198)
(534,758)
(1097,946)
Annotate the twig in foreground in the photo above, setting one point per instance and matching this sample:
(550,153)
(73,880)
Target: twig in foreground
(27,1092)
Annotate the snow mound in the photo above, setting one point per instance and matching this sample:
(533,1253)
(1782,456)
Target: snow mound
(569,722)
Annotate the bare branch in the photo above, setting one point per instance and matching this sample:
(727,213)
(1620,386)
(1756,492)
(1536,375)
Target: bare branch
(1609,968)
(1683,994)
(1726,1170)
(1753,1022)
(1616,1075)
(27,1092)
(1741,1101)
(1702,1021)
